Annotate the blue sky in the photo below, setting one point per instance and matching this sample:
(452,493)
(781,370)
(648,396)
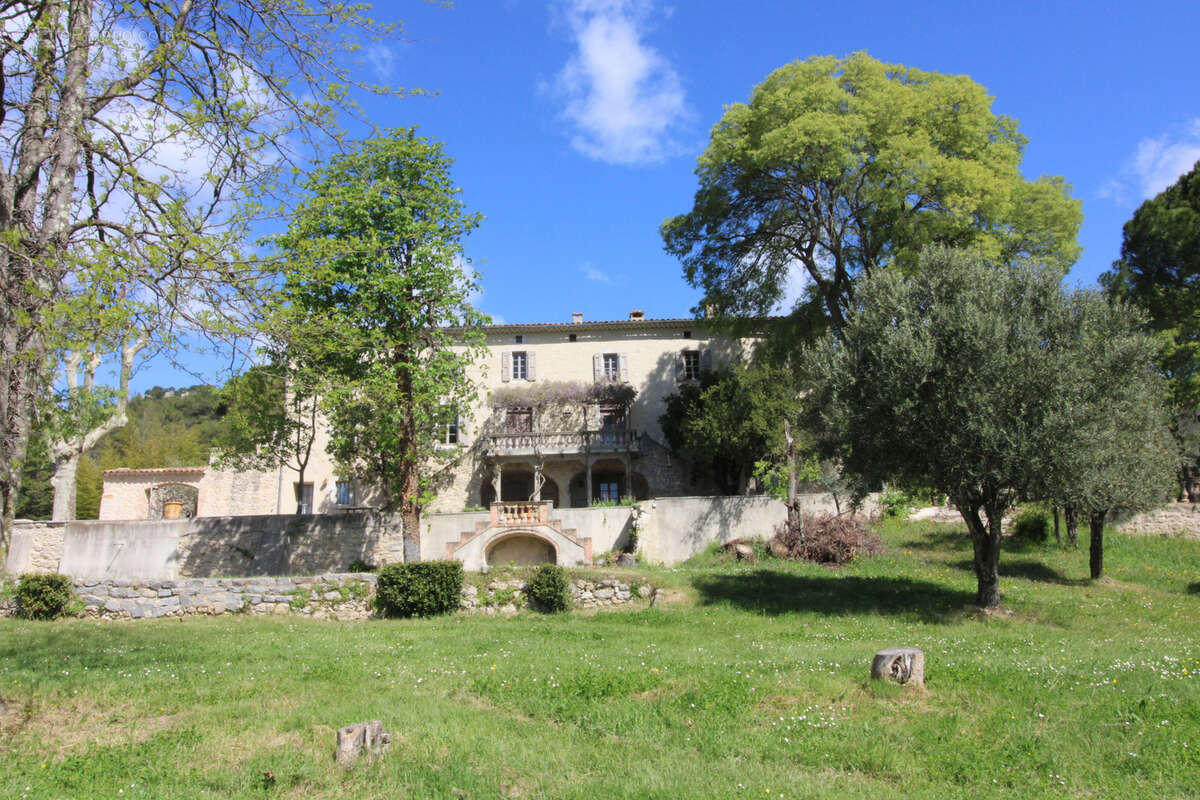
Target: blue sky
(575,124)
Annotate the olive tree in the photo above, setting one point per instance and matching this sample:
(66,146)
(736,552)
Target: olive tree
(969,378)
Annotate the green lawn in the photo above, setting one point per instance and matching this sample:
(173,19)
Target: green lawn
(754,688)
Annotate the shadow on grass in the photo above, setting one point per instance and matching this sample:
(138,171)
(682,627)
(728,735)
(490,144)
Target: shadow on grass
(766,591)
(1027,569)
(946,536)
(1194,588)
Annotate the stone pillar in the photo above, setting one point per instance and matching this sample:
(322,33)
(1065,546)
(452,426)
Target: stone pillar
(588,489)
(628,475)
(497,468)
(538,480)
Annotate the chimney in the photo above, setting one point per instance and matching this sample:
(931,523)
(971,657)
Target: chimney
(577,318)
(637,315)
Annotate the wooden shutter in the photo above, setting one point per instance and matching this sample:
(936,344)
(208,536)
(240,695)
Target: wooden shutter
(531,365)
(506,366)
(624,363)
(706,360)
(598,367)
(464,421)
(680,367)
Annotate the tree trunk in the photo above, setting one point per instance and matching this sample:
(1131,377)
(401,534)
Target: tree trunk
(793,504)
(1096,551)
(1072,519)
(66,470)
(1057,528)
(986,540)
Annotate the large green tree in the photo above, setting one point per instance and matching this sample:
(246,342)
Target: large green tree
(1159,271)
(965,377)
(727,422)
(378,289)
(140,142)
(840,167)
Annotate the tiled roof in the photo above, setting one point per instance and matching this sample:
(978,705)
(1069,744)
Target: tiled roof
(151,470)
(670,322)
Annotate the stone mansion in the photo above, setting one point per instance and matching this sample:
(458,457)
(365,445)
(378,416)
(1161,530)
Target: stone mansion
(598,439)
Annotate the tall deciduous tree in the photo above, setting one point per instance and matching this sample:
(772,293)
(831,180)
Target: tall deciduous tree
(965,377)
(840,167)
(143,137)
(378,290)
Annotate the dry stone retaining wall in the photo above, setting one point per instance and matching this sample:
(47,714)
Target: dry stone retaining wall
(342,596)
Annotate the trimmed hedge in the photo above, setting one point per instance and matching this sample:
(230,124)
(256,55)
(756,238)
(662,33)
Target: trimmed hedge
(43,595)
(420,589)
(547,587)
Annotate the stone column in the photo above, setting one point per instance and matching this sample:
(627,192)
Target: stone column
(538,480)
(628,475)
(497,468)
(588,496)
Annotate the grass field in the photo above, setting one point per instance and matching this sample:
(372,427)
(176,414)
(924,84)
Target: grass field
(754,686)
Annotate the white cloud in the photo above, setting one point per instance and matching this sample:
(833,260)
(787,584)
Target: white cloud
(592,274)
(623,98)
(1156,163)
(382,59)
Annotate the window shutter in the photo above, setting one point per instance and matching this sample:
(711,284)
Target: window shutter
(506,366)
(680,367)
(531,365)
(464,422)
(706,360)
(624,362)
(598,367)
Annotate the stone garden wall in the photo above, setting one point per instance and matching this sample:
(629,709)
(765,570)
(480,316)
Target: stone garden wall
(342,596)
(1176,519)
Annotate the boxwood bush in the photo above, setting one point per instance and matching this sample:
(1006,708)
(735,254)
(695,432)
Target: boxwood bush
(43,595)
(547,588)
(420,589)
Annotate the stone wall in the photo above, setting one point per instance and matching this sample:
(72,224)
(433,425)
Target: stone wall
(343,596)
(35,547)
(1176,519)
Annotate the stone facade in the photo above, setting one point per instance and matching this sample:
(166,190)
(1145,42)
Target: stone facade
(573,448)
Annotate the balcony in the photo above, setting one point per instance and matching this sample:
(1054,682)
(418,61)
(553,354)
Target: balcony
(563,443)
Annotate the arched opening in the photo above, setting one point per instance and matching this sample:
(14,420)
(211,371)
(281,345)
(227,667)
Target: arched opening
(173,501)
(523,549)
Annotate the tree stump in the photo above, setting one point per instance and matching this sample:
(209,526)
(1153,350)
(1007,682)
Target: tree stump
(355,740)
(902,664)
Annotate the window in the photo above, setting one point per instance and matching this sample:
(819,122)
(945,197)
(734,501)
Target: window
(450,432)
(345,493)
(520,366)
(572,337)
(519,420)
(687,334)
(520,339)
(304,498)
(608,490)
(612,367)
(691,365)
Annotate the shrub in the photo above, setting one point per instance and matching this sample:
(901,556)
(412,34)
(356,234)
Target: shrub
(358,565)
(547,587)
(896,503)
(420,589)
(825,539)
(1031,525)
(43,595)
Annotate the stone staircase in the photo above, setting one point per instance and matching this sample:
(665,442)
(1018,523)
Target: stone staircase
(520,518)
